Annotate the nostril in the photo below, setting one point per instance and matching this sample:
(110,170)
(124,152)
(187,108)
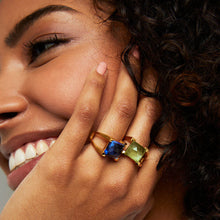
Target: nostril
(7,116)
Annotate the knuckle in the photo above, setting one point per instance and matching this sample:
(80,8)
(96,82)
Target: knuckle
(96,83)
(58,172)
(116,188)
(88,178)
(86,112)
(152,108)
(125,109)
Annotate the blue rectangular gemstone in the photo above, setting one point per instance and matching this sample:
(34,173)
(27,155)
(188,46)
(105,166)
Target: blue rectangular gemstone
(114,149)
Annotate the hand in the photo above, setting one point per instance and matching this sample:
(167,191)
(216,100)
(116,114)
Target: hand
(72,181)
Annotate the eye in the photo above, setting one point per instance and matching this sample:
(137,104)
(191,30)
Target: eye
(36,49)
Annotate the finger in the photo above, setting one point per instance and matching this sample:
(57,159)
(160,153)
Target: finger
(122,110)
(123,107)
(116,124)
(150,108)
(73,137)
(165,136)
(147,113)
(148,175)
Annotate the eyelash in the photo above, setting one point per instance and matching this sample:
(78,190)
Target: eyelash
(36,49)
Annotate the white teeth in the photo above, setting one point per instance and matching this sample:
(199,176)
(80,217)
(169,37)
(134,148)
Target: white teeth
(52,143)
(41,147)
(30,152)
(11,162)
(19,157)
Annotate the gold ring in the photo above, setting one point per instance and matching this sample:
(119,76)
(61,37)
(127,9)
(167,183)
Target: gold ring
(135,151)
(112,148)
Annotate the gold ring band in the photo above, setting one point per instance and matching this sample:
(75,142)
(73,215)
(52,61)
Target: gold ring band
(135,151)
(112,148)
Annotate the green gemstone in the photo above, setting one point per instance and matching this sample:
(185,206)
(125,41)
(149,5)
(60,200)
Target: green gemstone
(135,151)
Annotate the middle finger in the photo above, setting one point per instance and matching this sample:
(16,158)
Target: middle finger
(121,113)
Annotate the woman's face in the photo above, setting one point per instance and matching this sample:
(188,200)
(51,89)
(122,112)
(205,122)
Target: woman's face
(46,53)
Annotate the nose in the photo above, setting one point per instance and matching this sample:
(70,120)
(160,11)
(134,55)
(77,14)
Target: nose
(12,100)
(11,107)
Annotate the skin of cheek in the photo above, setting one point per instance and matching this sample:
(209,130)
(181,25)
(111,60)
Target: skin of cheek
(63,78)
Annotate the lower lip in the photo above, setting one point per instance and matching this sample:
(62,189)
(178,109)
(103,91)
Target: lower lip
(17,176)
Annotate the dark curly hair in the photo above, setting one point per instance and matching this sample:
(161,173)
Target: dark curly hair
(180,39)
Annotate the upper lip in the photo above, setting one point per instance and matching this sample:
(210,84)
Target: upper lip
(19,140)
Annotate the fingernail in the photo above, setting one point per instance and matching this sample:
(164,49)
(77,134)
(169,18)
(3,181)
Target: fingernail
(136,53)
(101,69)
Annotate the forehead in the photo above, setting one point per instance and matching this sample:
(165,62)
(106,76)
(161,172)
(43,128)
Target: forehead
(26,5)
(12,11)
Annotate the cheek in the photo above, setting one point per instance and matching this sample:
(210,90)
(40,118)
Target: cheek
(56,86)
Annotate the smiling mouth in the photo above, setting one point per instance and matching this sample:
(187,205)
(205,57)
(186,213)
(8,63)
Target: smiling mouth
(28,152)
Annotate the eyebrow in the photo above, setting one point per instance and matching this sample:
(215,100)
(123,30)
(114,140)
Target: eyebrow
(19,29)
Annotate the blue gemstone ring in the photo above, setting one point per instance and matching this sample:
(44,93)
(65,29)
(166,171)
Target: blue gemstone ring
(112,148)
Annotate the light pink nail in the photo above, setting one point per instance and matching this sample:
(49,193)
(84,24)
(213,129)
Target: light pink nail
(101,69)
(136,53)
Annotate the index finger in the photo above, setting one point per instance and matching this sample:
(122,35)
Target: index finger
(74,136)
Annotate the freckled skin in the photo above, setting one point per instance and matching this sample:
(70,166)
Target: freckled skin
(45,95)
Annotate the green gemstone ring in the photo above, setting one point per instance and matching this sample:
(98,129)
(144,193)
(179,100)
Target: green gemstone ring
(135,151)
